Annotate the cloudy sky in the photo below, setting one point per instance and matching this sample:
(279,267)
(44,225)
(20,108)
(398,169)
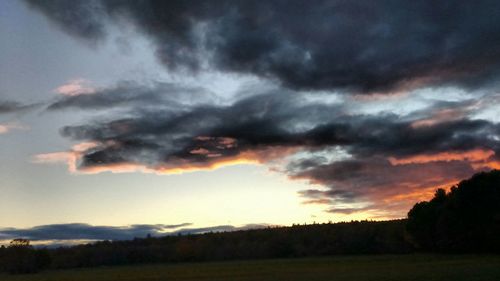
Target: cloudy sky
(122,118)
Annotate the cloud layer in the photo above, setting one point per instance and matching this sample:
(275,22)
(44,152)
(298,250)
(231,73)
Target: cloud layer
(362,162)
(66,234)
(329,61)
(79,231)
(382,46)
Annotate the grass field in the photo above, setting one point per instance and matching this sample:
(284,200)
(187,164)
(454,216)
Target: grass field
(351,268)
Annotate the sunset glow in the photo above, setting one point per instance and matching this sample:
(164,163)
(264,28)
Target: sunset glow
(248,113)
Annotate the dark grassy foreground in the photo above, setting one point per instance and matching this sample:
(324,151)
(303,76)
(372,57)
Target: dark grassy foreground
(351,268)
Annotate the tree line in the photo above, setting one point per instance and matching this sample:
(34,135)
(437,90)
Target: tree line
(358,237)
(466,219)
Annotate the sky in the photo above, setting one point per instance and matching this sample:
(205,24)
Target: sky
(126,118)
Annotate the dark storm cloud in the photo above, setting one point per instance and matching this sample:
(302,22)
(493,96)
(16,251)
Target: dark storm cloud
(80,18)
(201,134)
(360,46)
(211,133)
(79,231)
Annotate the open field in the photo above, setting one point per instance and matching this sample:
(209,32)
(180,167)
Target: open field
(351,268)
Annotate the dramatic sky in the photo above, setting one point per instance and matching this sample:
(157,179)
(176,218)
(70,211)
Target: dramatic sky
(121,118)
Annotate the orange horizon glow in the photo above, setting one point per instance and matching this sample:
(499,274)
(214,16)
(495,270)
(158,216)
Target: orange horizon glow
(475,155)
(386,199)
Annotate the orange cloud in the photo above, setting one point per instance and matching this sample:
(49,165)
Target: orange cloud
(220,142)
(177,166)
(71,158)
(420,194)
(444,115)
(390,188)
(75,87)
(475,155)
(181,166)
(227,142)
(487,165)
(201,151)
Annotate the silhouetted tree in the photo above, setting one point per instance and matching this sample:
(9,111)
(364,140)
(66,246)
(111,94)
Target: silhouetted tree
(20,257)
(20,242)
(466,219)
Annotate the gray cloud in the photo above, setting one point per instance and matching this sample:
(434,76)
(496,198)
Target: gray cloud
(195,135)
(81,18)
(219,228)
(80,231)
(128,93)
(7,107)
(211,133)
(64,234)
(356,46)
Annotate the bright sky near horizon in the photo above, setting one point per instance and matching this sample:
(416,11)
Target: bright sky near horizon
(152,117)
